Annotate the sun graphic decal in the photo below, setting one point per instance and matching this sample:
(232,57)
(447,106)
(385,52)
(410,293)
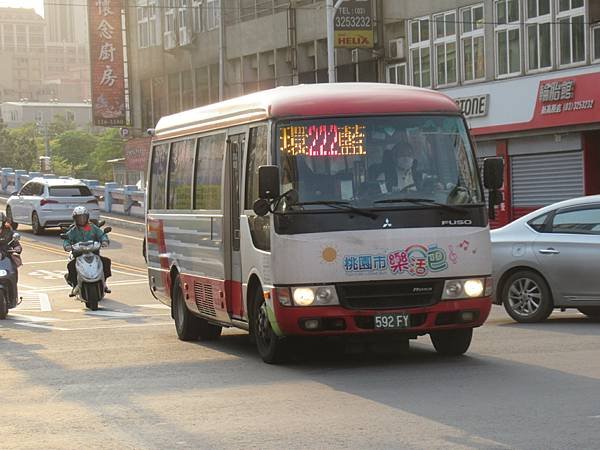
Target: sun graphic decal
(329,254)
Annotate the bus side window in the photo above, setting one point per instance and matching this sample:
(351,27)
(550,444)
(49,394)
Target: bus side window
(257,156)
(158,176)
(209,172)
(181,174)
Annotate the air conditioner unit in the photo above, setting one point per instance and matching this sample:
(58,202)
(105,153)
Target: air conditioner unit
(396,48)
(169,42)
(355,56)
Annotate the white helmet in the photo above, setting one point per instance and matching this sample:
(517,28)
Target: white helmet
(81,211)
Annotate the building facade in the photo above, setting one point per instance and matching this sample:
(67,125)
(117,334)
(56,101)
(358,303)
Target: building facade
(15,114)
(524,71)
(21,53)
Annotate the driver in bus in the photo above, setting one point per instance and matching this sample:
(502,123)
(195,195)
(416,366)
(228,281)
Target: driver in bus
(397,174)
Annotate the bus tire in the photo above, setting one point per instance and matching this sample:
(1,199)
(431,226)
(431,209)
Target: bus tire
(271,348)
(186,324)
(452,342)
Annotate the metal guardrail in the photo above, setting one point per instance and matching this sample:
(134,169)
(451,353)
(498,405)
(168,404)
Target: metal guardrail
(109,194)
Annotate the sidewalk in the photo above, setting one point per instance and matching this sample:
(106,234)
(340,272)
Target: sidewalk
(134,223)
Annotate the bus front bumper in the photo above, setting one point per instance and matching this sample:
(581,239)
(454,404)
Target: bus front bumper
(337,320)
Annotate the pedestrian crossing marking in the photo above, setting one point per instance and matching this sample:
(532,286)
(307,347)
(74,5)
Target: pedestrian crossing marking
(34,301)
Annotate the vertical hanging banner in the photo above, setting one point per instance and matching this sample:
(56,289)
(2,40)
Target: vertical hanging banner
(106,58)
(353,25)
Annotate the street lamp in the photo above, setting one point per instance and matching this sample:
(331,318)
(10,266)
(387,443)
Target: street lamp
(331,9)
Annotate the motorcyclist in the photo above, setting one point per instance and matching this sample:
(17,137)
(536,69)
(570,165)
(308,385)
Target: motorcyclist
(7,244)
(84,230)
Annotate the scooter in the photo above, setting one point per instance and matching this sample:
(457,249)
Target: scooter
(91,284)
(9,296)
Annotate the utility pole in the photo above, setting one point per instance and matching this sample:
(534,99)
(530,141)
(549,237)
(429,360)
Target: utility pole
(221,51)
(331,10)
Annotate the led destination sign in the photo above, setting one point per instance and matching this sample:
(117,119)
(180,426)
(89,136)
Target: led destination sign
(323,140)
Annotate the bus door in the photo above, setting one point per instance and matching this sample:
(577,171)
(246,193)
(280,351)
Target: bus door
(234,286)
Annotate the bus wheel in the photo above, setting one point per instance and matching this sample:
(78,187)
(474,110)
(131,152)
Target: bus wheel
(186,324)
(452,342)
(271,347)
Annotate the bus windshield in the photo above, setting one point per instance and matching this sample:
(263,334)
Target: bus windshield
(372,162)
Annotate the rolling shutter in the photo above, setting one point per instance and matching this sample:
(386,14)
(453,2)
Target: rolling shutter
(540,180)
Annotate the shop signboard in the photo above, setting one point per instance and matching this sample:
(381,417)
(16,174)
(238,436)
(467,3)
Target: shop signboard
(353,25)
(136,154)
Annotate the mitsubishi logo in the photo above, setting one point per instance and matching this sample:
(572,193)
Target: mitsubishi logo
(387,223)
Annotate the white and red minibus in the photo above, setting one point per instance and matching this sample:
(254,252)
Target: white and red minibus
(321,210)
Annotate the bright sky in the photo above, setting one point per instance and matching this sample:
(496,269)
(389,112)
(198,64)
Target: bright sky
(37,4)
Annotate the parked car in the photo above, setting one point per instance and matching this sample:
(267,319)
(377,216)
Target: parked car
(549,259)
(49,202)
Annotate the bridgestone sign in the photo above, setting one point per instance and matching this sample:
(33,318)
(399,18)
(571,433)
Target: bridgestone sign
(476,106)
(353,25)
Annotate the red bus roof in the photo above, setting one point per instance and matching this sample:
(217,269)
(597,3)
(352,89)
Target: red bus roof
(312,100)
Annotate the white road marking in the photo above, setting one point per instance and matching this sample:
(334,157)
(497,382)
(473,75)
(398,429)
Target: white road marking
(126,236)
(107,327)
(44,262)
(34,289)
(155,306)
(48,274)
(34,301)
(45,327)
(129,273)
(102,313)
(32,318)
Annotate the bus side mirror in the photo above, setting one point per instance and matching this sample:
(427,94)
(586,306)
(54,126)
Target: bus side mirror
(493,173)
(268,182)
(261,207)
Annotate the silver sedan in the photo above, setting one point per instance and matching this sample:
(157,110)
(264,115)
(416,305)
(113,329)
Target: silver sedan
(549,259)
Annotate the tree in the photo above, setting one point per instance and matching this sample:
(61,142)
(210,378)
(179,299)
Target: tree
(109,146)
(75,148)
(25,149)
(18,148)
(59,125)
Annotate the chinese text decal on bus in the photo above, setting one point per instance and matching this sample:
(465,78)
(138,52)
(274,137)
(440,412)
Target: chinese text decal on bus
(341,209)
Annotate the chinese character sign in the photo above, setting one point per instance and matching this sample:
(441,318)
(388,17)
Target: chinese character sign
(323,140)
(106,57)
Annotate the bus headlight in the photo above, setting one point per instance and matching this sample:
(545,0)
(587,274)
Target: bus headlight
(315,296)
(467,288)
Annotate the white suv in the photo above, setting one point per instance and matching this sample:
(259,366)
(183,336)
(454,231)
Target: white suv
(49,202)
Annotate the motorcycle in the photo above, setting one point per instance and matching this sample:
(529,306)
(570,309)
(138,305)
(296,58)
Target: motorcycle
(9,296)
(91,284)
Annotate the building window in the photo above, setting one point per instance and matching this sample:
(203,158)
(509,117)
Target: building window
(420,61)
(154,38)
(198,8)
(596,43)
(39,117)
(396,73)
(571,31)
(14,115)
(183,18)
(213,14)
(508,38)
(444,45)
(70,116)
(472,43)
(170,16)
(539,35)
(142,26)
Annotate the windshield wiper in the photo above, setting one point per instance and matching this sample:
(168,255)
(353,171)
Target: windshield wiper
(343,206)
(422,201)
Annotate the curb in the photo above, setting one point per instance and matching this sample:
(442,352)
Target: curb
(123,223)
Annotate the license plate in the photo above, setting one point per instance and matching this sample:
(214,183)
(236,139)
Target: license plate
(392,321)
